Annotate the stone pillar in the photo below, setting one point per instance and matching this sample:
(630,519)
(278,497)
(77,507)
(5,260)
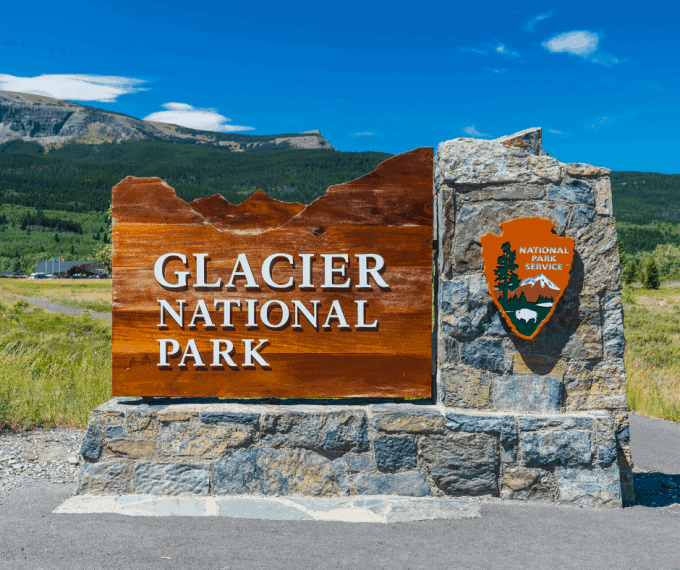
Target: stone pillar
(566,387)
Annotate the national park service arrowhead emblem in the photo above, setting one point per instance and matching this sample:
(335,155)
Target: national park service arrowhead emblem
(527,268)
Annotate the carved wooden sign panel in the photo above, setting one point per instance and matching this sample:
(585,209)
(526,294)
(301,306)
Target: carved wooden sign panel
(268,299)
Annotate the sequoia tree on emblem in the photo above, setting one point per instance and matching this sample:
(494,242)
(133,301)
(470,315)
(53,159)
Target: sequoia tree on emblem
(527,269)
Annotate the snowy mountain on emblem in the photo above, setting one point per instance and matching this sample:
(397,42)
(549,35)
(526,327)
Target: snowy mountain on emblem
(541,279)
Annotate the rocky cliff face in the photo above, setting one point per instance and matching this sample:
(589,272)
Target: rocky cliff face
(52,123)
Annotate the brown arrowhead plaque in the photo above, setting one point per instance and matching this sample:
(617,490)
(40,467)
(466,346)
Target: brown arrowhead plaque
(527,269)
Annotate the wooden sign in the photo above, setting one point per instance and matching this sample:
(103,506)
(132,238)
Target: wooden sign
(527,268)
(268,299)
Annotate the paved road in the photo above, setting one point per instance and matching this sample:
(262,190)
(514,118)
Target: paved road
(506,536)
(55,307)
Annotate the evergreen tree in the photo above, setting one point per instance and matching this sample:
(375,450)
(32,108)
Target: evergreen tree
(73,250)
(631,271)
(506,278)
(106,238)
(650,279)
(56,237)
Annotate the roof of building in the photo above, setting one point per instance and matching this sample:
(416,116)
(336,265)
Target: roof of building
(51,266)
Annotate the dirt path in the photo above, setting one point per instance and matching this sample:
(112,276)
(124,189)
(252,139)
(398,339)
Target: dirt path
(55,307)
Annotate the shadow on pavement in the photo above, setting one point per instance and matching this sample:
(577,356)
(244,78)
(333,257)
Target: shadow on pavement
(656,489)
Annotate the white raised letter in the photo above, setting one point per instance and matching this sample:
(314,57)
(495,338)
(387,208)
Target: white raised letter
(200,272)
(179,319)
(246,272)
(202,312)
(313,319)
(227,309)
(251,312)
(285,314)
(251,353)
(329,270)
(364,270)
(181,275)
(192,352)
(267,270)
(361,316)
(163,342)
(338,314)
(306,269)
(217,353)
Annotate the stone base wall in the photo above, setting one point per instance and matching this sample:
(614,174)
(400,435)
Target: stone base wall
(171,448)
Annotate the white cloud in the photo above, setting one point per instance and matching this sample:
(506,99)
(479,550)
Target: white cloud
(530,26)
(494,69)
(101,88)
(580,43)
(185,115)
(473,132)
(596,124)
(554,131)
(507,52)
(364,134)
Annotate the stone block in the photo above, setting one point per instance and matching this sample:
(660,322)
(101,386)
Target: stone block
(172,479)
(580,215)
(595,386)
(596,264)
(447,351)
(465,306)
(411,423)
(339,432)
(500,192)
(232,417)
(602,189)
(474,161)
(591,487)
(575,330)
(130,449)
(572,191)
(527,393)
(114,431)
(612,333)
(106,479)
(141,425)
(582,169)
(465,388)
(561,422)
(393,453)
(91,446)
(210,442)
(502,425)
(526,484)
(462,463)
(606,440)
(168,417)
(278,472)
(410,484)
(97,417)
(528,140)
(357,463)
(483,353)
(546,449)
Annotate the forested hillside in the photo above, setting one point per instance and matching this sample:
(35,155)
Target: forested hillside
(647,209)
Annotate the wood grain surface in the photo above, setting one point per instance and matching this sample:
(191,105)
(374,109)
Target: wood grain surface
(387,212)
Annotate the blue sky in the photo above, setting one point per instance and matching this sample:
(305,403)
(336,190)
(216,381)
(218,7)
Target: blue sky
(602,79)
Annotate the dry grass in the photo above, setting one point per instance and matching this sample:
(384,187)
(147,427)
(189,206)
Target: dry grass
(652,324)
(95,295)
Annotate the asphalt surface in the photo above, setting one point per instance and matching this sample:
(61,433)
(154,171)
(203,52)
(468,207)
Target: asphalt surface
(506,536)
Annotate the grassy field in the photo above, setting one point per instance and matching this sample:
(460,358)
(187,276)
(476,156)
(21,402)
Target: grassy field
(54,368)
(93,295)
(652,323)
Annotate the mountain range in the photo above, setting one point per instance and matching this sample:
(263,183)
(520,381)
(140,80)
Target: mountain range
(534,288)
(53,123)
